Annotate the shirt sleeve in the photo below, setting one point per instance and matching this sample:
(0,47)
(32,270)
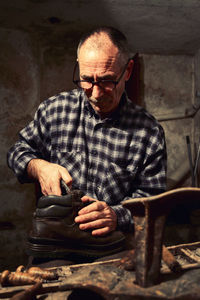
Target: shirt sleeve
(150,179)
(30,144)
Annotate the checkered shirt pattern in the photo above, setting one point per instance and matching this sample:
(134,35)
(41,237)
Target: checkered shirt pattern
(121,157)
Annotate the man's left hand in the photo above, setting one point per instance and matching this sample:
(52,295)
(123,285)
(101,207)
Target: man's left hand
(98,216)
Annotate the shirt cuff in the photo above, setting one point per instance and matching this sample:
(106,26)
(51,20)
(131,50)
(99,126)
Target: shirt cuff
(124,218)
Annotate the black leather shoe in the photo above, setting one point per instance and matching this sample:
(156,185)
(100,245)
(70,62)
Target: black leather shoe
(54,233)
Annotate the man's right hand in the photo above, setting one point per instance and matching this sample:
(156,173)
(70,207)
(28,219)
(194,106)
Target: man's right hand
(49,176)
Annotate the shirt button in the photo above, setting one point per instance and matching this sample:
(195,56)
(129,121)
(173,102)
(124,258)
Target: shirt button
(94,152)
(91,177)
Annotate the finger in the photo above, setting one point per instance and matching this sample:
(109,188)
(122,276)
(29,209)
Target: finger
(94,206)
(91,225)
(87,199)
(45,188)
(101,231)
(67,178)
(55,188)
(96,224)
(51,186)
(94,215)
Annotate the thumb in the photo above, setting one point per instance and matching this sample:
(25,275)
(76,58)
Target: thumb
(66,177)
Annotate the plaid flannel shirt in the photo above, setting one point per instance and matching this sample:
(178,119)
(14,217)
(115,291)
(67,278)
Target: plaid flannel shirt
(113,159)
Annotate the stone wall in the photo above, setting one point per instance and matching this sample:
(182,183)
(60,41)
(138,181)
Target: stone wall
(19,93)
(31,72)
(169,96)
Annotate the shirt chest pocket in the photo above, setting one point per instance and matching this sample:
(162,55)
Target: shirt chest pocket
(71,160)
(117,183)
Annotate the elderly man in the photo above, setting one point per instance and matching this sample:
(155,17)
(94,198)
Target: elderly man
(95,139)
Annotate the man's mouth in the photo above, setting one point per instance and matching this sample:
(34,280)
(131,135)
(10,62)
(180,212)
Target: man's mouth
(96,101)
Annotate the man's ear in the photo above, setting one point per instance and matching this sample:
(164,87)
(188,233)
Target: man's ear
(129,69)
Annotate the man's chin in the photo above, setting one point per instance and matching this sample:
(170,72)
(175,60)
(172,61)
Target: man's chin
(96,104)
(99,109)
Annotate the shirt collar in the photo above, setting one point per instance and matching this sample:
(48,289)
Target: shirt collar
(114,116)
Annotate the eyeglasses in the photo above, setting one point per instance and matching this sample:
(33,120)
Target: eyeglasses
(107,85)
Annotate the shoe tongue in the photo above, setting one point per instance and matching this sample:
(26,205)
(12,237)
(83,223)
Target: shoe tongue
(77,195)
(76,199)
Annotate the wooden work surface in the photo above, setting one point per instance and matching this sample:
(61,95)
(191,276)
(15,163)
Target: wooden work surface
(108,280)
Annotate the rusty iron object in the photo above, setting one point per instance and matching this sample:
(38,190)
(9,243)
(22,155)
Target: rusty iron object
(149,216)
(29,293)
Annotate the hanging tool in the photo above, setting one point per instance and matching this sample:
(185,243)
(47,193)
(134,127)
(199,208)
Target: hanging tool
(190,159)
(197,162)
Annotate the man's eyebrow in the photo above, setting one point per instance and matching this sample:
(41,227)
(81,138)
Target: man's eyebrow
(103,77)
(85,77)
(107,77)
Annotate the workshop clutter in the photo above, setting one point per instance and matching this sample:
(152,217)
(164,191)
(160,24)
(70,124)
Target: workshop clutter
(30,276)
(33,276)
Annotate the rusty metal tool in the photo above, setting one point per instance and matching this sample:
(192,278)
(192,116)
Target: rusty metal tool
(170,260)
(190,159)
(149,216)
(197,162)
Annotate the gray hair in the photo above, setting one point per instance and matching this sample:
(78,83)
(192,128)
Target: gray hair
(116,37)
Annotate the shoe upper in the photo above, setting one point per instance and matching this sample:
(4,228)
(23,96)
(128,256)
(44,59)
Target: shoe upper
(54,220)
(66,206)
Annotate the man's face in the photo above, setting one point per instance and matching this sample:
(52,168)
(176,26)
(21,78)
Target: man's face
(102,64)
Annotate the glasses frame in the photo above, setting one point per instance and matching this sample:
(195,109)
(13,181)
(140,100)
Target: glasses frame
(115,82)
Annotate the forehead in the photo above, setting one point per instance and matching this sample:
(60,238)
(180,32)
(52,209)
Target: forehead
(100,57)
(98,63)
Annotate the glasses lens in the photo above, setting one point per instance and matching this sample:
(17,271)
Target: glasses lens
(85,84)
(106,85)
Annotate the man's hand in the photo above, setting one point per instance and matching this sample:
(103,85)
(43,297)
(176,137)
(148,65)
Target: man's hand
(49,176)
(98,216)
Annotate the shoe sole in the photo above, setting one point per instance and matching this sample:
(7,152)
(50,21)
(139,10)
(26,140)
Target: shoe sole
(58,249)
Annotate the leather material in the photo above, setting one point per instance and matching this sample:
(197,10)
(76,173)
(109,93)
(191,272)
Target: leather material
(54,230)
(53,211)
(66,200)
(60,206)
(62,230)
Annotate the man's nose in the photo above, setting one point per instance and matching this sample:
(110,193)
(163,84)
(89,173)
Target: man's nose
(97,91)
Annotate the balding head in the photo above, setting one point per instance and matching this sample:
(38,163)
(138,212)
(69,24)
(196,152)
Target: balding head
(102,39)
(97,46)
